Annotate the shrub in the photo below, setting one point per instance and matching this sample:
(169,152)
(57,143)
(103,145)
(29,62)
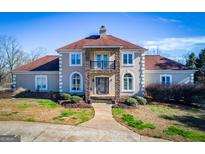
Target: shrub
(141,100)
(75,99)
(131,101)
(66,96)
(187,93)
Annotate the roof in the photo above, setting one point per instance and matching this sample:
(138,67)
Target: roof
(46,63)
(96,40)
(152,62)
(157,62)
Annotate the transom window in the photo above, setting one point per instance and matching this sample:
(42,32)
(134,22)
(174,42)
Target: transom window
(127,58)
(128,82)
(41,82)
(76,82)
(75,59)
(166,79)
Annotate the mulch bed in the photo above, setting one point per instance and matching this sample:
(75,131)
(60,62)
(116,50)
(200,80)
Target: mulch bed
(68,104)
(124,106)
(6,94)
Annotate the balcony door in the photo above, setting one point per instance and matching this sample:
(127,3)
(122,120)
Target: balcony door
(101,61)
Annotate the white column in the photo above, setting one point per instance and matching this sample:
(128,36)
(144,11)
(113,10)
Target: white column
(192,78)
(14,82)
(60,74)
(142,62)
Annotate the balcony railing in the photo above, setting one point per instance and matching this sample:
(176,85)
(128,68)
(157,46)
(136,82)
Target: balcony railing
(102,65)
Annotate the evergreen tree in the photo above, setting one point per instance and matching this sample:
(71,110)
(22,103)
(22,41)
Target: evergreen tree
(191,60)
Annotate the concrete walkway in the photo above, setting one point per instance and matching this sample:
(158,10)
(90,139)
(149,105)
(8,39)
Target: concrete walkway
(101,128)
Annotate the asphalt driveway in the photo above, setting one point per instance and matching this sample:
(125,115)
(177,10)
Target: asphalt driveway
(101,128)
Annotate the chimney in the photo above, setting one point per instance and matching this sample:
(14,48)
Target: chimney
(102,31)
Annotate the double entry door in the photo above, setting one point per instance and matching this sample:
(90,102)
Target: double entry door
(102,85)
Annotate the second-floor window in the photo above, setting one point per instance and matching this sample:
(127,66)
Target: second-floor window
(75,59)
(127,58)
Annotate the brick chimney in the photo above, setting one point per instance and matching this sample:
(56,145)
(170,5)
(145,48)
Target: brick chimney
(102,31)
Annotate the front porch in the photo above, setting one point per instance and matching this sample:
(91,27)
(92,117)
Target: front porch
(102,74)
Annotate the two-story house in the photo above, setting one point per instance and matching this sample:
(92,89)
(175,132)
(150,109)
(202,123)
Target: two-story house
(100,66)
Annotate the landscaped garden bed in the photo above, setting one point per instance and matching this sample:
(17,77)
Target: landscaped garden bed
(42,110)
(174,122)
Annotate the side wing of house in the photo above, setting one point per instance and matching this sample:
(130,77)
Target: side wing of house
(162,70)
(40,75)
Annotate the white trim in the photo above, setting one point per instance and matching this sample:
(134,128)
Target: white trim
(133,82)
(81,59)
(133,58)
(165,75)
(81,83)
(36,72)
(94,88)
(89,46)
(169,71)
(45,76)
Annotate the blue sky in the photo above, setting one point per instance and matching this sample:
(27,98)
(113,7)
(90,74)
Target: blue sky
(174,34)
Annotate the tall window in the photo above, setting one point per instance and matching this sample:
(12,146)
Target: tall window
(75,59)
(76,82)
(127,58)
(128,82)
(166,79)
(41,82)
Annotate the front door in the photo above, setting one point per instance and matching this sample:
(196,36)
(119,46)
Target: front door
(102,85)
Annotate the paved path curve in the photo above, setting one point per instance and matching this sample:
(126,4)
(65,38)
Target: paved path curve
(101,128)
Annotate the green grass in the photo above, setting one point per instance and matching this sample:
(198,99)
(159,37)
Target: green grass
(30,119)
(163,109)
(83,115)
(117,111)
(48,103)
(192,135)
(8,113)
(24,106)
(138,124)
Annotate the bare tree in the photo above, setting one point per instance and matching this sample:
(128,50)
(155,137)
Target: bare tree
(11,54)
(35,54)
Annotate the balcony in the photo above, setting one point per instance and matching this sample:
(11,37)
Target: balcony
(102,65)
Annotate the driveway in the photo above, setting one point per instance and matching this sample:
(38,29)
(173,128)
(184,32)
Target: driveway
(101,128)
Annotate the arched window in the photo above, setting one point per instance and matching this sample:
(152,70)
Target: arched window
(128,82)
(76,82)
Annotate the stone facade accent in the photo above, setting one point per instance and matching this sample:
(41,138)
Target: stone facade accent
(14,82)
(60,74)
(117,76)
(142,68)
(87,75)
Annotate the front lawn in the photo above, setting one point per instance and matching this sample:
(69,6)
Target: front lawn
(42,110)
(170,122)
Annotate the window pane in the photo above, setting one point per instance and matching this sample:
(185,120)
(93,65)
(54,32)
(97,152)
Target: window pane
(124,58)
(163,80)
(73,59)
(130,58)
(168,80)
(128,75)
(130,84)
(125,84)
(78,58)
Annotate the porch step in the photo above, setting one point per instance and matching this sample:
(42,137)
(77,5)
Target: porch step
(101,101)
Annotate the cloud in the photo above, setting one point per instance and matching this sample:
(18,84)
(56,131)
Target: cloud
(170,44)
(168,20)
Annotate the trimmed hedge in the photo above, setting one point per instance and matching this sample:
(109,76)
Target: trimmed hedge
(66,96)
(131,101)
(141,100)
(187,93)
(75,99)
